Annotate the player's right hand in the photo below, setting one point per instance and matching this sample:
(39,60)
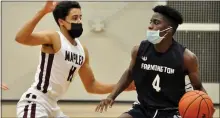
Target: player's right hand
(4,86)
(104,104)
(49,6)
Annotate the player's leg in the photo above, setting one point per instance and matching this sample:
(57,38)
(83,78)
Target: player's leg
(175,114)
(31,110)
(168,114)
(135,112)
(27,107)
(59,114)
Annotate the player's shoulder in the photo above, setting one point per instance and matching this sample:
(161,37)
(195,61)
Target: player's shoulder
(86,51)
(135,48)
(142,43)
(84,48)
(134,51)
(189,56)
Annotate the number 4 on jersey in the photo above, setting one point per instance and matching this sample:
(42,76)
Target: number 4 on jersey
(72,70)
(156,83)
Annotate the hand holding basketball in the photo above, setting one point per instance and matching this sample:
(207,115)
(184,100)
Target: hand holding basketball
(49,6)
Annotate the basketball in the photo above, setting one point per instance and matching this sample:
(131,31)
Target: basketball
(196,104)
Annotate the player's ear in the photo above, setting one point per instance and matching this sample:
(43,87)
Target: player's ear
(170,29)
(61,22)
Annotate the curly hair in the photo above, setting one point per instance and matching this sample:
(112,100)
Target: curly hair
(173,16)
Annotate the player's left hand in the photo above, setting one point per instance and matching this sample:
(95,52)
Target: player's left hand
(131,87)
(4,87)
(49,6)
(104,104)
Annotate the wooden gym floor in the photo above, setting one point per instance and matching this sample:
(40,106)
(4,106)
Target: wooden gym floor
(80,110)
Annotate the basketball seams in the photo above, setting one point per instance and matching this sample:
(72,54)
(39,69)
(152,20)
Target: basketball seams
(199,107)
(189,106)
(196,92)
(207,104)
(189,96)
(199,99)
(209,100)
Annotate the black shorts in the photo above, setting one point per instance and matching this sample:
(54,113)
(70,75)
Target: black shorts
(138,111)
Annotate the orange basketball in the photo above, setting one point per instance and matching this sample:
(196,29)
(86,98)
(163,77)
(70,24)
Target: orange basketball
(196,104)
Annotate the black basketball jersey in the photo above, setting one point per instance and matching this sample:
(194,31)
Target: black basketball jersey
(159,77)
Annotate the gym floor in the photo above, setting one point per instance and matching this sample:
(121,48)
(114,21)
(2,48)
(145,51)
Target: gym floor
(81,110)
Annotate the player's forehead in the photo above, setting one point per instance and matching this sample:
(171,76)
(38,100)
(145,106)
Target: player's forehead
(74,12)
(157,16)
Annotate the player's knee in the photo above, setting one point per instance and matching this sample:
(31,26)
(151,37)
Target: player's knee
(31,111)
(20,111)
(29,114)
(125,115)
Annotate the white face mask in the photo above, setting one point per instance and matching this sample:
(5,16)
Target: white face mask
(154,36)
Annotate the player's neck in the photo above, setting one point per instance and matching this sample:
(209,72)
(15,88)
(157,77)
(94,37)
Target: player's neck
(68,37)
(163,46)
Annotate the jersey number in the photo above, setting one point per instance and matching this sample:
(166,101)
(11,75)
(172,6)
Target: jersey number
(72,70)
(156,83)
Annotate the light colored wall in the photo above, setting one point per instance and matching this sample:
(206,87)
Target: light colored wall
(109,51)
(0,58)
(126,23)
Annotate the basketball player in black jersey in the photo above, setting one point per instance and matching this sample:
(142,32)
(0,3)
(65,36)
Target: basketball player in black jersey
(158,67)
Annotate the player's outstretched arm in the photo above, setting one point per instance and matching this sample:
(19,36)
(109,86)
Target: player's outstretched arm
(89,82)
(88,79)
(123,83)
(192,66)
(26,36)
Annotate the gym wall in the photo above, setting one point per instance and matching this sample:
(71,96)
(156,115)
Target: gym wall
(125,25)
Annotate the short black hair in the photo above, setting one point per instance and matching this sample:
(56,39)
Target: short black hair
(62,9)
(172,15)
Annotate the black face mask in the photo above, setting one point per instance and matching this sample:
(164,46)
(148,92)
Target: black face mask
(76,30)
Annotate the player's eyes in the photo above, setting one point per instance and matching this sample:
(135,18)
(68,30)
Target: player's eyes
(76,17)
(156,22)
